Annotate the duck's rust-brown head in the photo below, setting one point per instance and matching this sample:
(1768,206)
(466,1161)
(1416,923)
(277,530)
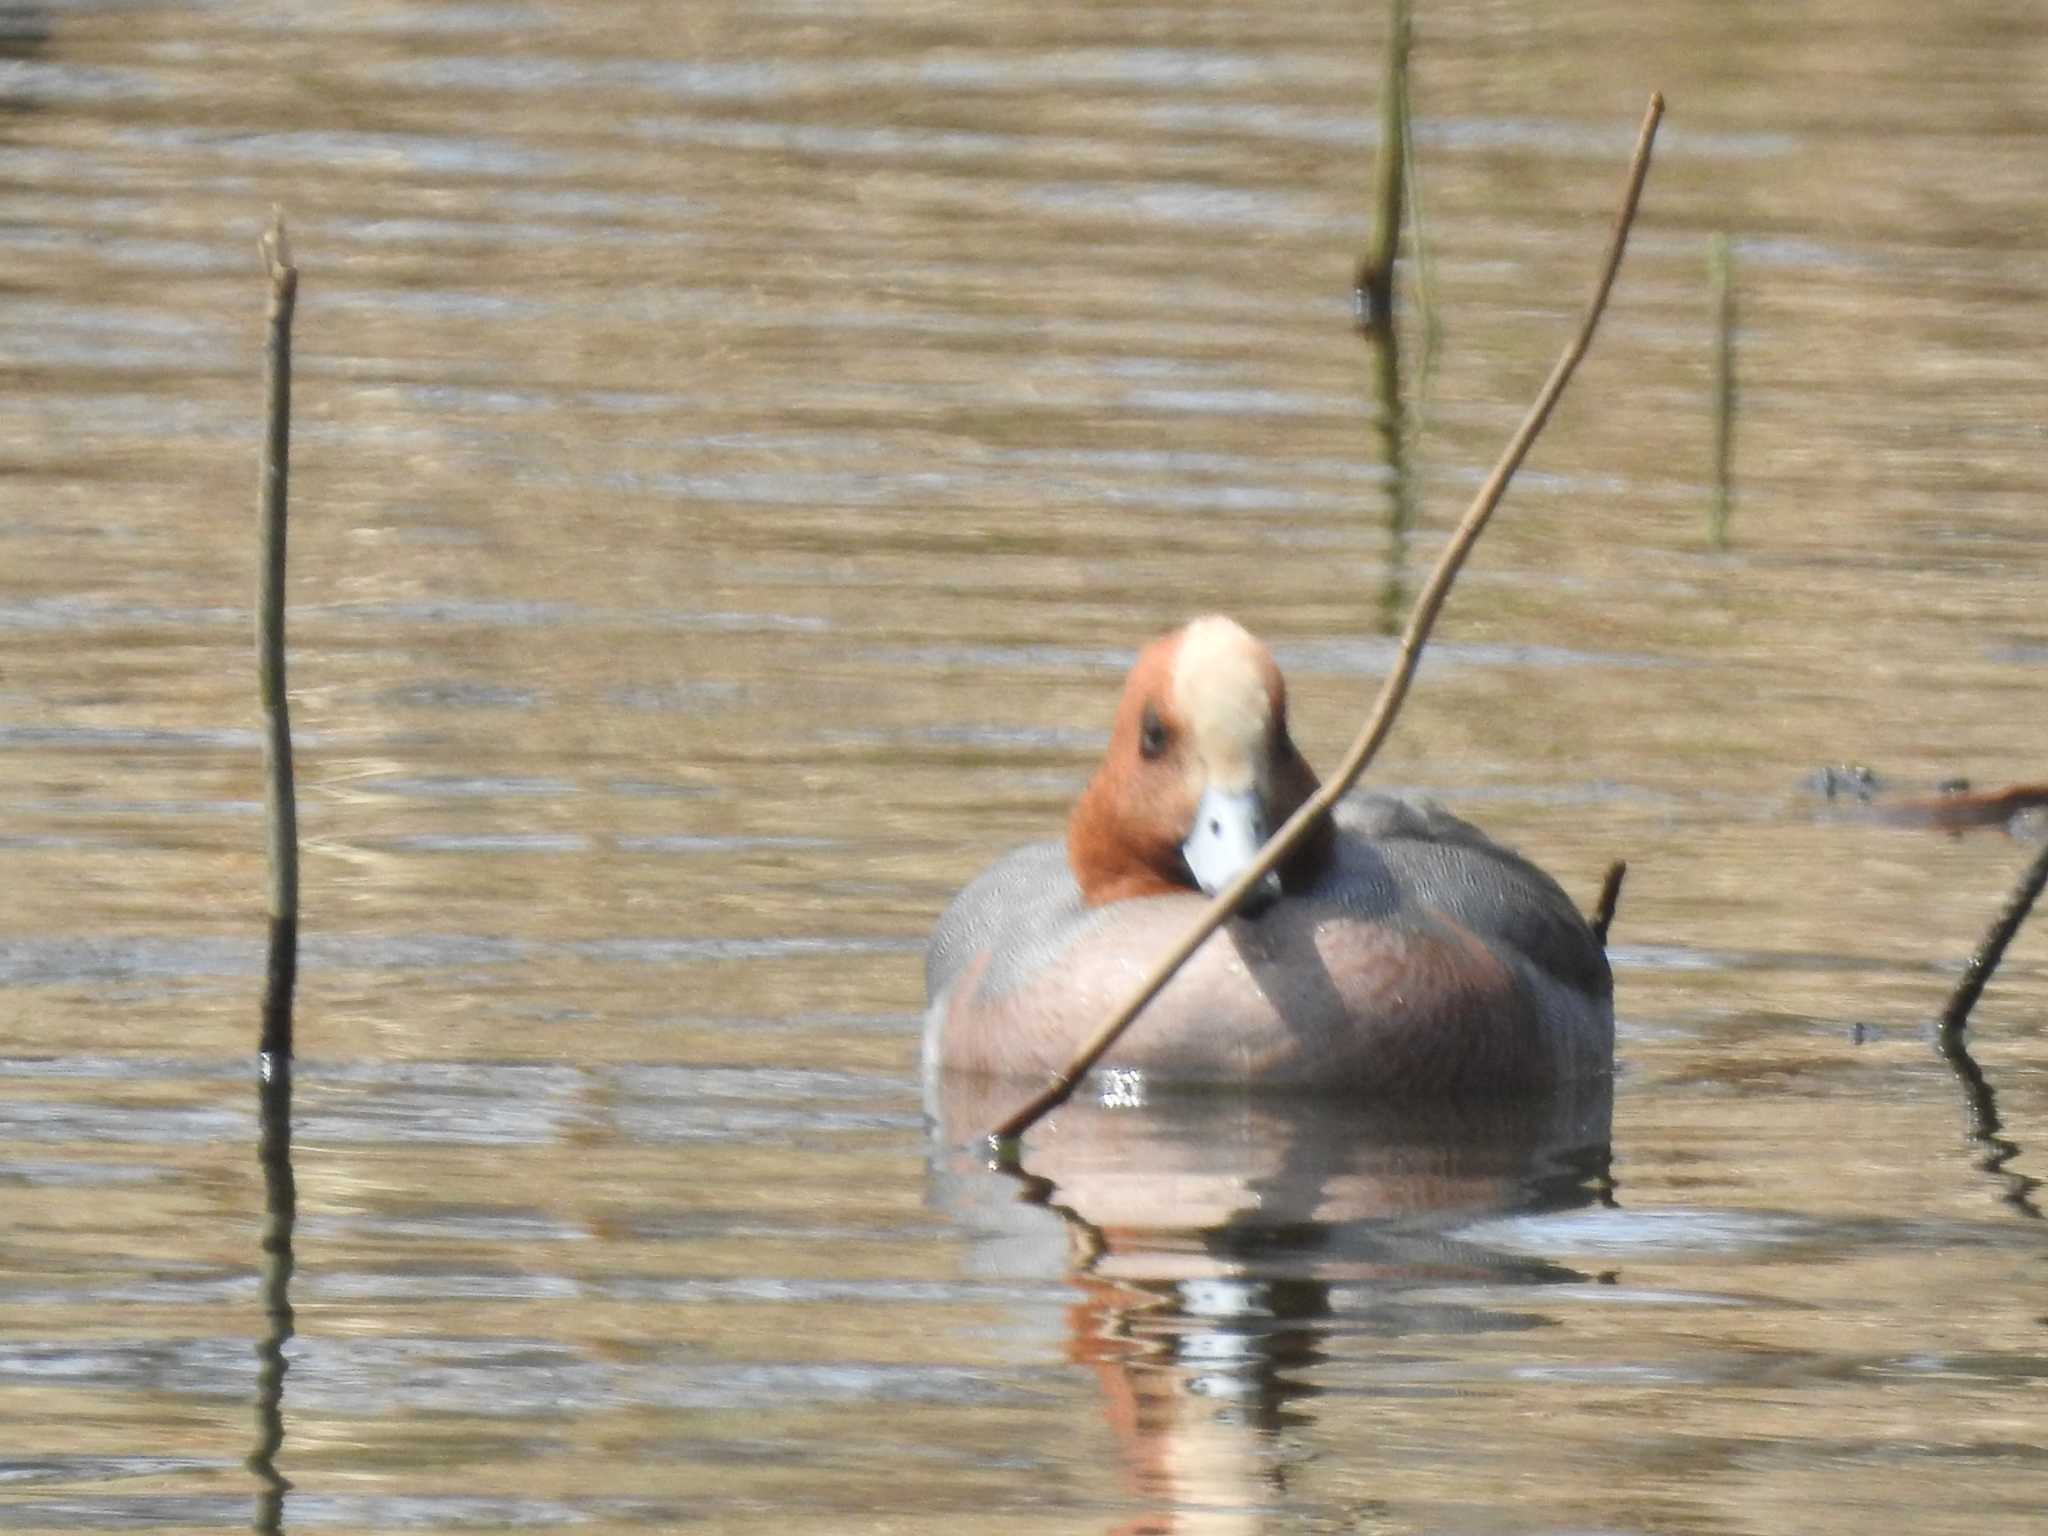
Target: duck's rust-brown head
(1200,771)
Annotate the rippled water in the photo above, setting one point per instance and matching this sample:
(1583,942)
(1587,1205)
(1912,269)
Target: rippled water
(737,450)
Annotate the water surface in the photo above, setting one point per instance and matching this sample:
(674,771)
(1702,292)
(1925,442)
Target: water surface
(736,453)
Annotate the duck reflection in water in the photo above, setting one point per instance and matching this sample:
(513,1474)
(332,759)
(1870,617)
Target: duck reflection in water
(1220,1241)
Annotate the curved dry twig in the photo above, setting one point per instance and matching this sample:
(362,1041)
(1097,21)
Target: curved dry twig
(1380,722)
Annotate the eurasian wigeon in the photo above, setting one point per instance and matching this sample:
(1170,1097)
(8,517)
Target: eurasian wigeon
(1400,951)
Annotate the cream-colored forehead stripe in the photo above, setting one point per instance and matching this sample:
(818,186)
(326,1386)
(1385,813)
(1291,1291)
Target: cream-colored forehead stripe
(1219,690)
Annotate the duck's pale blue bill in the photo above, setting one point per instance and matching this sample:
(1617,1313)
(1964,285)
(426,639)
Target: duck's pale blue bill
(1230,828)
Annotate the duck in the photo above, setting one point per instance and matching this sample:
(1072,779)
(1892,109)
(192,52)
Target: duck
(1398,952)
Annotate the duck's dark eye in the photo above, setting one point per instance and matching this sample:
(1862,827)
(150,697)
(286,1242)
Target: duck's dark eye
(1152,734)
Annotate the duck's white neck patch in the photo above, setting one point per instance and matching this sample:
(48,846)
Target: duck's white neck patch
(1219,691)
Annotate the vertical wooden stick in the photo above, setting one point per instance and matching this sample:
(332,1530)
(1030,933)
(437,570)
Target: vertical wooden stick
(274,1084)
(1375,292)
(281,973)
(1721,271)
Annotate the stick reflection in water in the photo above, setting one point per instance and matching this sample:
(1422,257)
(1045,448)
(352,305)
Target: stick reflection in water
(280,1207)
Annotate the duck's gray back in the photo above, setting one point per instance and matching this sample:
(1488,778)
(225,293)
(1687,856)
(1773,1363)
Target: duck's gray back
(1434,859)
(1012,908)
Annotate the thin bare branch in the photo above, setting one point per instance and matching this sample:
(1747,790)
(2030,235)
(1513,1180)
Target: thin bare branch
(1380,722)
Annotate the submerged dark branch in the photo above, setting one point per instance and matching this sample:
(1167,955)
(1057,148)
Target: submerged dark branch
(1985,961)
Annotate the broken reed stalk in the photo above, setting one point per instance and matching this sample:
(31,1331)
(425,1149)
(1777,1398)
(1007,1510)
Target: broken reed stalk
(1992,950)
(281,811)
(1721,272)
(1610,898)
(1380,722)
(1375,289)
